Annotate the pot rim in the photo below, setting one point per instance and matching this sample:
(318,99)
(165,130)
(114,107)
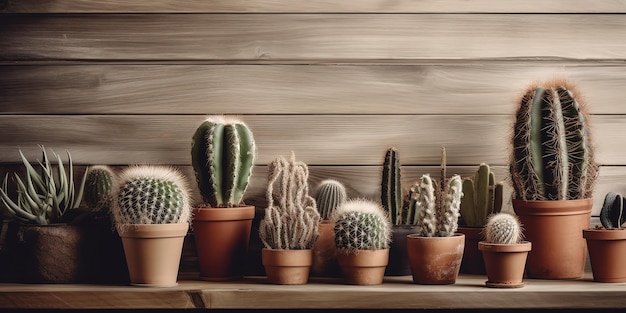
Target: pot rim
(552,207)
(604,234)
(201,214)
(417,236)
(523,246)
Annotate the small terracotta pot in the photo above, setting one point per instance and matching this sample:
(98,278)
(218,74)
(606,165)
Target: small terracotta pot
(505,263)
(398,255)
(325,252)
(153,252)
(435,260)
(365,267)
(222,236)
(555,229)
(473,262)
(607,254)
(287,267)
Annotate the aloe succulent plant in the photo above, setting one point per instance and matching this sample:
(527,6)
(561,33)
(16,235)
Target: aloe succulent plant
(361,224)
(482,196)
(503,228)
(612,214)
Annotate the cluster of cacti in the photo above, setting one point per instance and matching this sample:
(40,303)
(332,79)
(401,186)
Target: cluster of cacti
(361,224)
(552,156)
(147,194)
(222,155)
(291,218)
(98,187)
(391,187)
(482,196)
(612,214)
(43,198)
(330,195)
(503,228)
(434,207)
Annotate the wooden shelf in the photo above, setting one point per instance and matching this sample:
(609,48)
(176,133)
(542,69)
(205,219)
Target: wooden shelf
(469,292)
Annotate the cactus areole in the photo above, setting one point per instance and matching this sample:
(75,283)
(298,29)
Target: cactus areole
(222,155)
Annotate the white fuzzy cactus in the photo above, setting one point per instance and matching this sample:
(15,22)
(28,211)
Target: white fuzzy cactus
(503,228)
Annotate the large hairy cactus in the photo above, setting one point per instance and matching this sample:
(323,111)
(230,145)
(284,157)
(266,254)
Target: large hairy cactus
(146,194)
(612,214)
(552,156)
(222,155)
(291,218)
(482,196)
(98,187)
(503,228)
(391,187)
(330,195)
(361,224)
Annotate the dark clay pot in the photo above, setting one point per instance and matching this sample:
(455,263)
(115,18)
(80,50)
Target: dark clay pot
(399,264)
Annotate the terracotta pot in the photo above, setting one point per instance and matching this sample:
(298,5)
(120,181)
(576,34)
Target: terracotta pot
(607,254)
(365,267)
(505,263)
(287,267)
(222,236)
(473,262)
(398,255)
(153,252)
(555,230)
(435,260)
(325,252)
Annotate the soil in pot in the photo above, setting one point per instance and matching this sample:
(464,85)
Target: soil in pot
(325,252)
(287,267)
(607,254)
(505,263)
(399,264)
(473,262)
(365,267)
(435,260)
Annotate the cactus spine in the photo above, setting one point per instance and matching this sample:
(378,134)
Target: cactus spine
(481,197)
(222,155)
(291,218)
(330,195)
(98,187)
(361,224)
(552,156)
(503,228)
(391,188)
(612,212)
(146,194)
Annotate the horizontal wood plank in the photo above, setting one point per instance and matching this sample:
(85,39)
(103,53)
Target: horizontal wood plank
(480,88)
(311,36)
(318,6)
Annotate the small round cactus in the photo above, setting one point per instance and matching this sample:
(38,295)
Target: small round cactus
(361,224)
(503,228)
(98,187)
(330,195)
(148,194)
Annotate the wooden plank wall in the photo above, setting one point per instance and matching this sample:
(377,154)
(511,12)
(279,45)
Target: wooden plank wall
(336,82)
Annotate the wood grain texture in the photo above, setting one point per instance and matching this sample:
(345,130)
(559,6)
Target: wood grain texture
(318,6)
(311,36)
(448,88)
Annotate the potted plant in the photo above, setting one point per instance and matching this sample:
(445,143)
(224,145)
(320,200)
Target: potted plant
(151,213)
(43,243)
(362,238)
(290,225)
(482,196)
(329,195)
(436,251)
(553,171)
(222,154)
(607,243)
(504,251)
(397,211)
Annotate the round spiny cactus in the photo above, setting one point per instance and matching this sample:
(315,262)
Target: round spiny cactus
(330,195)
(151,195)
(503,228)
(98,187)
(361,225)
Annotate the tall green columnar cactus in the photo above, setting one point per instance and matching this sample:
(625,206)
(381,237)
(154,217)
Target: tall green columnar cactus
(361,224)
(391,188)
(291,218)
(482,196)
(222,155)
(98,187)
(552,156)
(612,214)
(503,228)
(330,195)
(147,194)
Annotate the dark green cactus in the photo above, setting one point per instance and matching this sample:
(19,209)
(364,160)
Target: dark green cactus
(481,197)
(391,188)
(222,155)
(361,224)
(612,212)
(503,228)
(552,156)
(98,187)
(151,195)
(330,195)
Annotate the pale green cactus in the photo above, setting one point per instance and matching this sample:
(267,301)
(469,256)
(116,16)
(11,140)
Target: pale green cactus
(482,196)
(361,224)
(98,187)
(330,195)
